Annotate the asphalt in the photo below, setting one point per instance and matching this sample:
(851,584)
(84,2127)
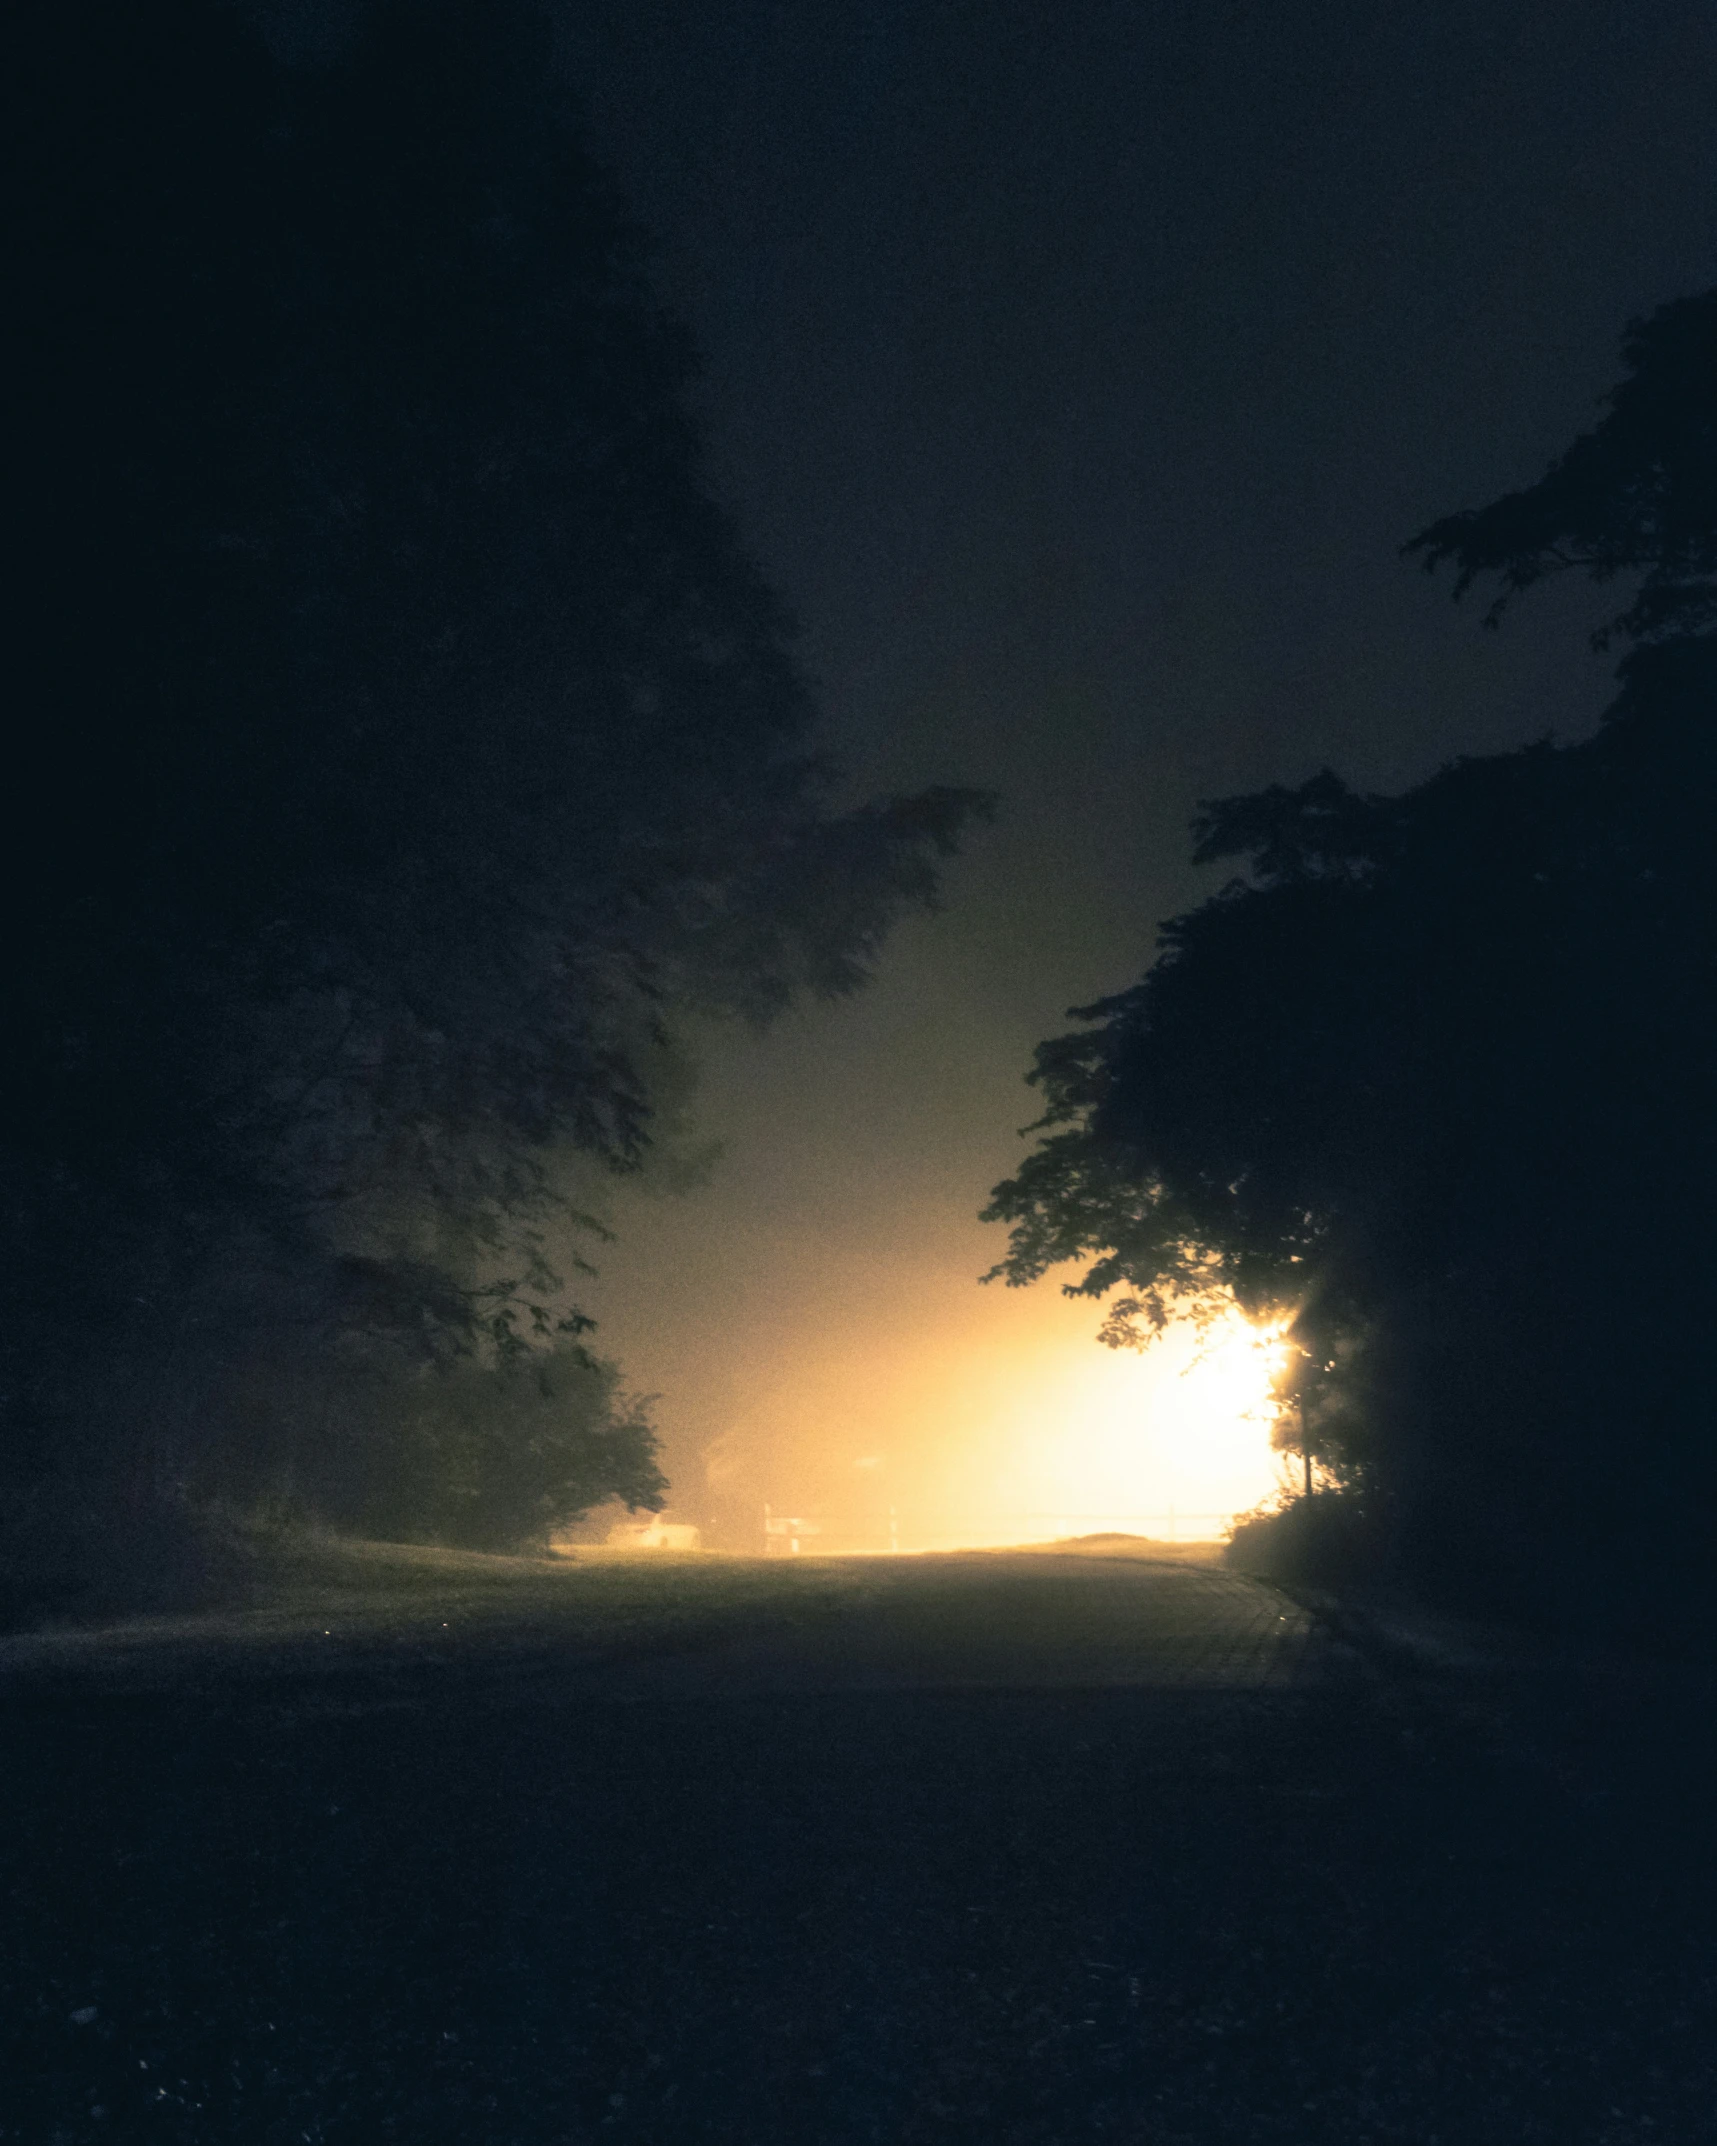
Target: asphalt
(1005,1850)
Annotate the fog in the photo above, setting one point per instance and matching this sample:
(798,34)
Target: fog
(1077,387)
(812,1319)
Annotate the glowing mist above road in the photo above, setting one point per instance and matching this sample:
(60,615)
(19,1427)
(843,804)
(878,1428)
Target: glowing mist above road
(1170,1441)
(1011,1430)
(828,1351)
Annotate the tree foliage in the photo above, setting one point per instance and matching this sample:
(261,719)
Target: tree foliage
(1637,495)
(1430,1077)
(405,743)
(479,1455)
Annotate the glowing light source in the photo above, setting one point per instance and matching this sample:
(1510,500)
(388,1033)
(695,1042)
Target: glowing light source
(949,1417)
(1170,1442)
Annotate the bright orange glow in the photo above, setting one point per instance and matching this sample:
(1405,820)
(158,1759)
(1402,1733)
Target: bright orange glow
(842,1366)
(1021,1431)
(814,1329)
(1169,1442)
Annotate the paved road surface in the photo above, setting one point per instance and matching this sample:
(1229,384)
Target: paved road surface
(991,1849)
(978,1620)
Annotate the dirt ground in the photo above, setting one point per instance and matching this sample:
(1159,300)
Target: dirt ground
(991,1848)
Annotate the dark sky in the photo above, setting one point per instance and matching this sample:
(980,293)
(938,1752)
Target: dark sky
(1076,370)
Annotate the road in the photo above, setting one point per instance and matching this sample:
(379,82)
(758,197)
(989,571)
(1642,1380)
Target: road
(1006,1849)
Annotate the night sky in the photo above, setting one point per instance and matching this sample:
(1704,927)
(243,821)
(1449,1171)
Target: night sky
(1076,372)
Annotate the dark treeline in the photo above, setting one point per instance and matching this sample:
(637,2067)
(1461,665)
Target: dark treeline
(403,746)
(1433,1079)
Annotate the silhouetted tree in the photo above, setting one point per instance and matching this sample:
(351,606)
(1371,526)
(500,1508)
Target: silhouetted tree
(1430,1079)
(495,1455)
(404,742)
(1637,495)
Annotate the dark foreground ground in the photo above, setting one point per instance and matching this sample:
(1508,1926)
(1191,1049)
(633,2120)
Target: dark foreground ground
(990,1849)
